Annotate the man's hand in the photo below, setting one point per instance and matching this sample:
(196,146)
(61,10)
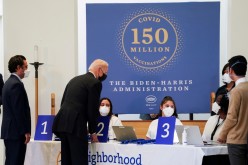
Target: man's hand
(94,138)
(221,140)
(27,136)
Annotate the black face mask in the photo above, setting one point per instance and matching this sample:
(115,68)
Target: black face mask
(104,76)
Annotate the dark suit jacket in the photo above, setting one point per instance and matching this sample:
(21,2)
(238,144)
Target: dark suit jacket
(16,111)
(79,105)
(1,87)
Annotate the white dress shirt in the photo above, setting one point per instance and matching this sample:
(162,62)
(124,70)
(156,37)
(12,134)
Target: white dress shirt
(209,127)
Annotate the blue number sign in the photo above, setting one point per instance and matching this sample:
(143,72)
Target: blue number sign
(44,127)
(102,128)
(165,131)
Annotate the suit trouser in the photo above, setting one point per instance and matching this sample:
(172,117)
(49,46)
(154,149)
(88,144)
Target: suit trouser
(74,150)
(237,154)
(15,151)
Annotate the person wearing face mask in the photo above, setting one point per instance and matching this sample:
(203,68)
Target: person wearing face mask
(235,130)
(79,112)
(226,88)
(167,109)
(16,122)
(214,124)
(106,109)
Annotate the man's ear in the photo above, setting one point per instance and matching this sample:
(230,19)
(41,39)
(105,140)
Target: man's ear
(18,67)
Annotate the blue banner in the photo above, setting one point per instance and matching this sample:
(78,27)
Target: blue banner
(155,50)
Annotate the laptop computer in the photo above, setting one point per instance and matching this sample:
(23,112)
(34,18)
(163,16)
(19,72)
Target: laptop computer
(193,134)
(124,133)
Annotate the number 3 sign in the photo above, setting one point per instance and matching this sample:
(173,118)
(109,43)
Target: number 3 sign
(165,130)
(44,127)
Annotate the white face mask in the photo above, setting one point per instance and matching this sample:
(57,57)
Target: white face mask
(215,107)
(226,78)
(26,73)
(168,111)
(104,110)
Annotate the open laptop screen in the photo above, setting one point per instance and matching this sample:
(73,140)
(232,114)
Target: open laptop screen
(124,133)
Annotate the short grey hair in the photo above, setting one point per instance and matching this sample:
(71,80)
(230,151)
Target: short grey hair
(98,63)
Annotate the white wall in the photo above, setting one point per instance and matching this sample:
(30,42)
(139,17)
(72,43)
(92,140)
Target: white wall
(1,39)
(1,71)
(52,25)
(238,40)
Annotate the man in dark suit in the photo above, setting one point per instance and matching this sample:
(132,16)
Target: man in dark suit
(1,87)
(16,123)
(79,106)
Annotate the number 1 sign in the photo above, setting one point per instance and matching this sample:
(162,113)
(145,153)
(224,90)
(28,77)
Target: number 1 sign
(44,127)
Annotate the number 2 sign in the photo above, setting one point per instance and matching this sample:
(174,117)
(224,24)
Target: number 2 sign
(165,130)
(102,128)
(44,127)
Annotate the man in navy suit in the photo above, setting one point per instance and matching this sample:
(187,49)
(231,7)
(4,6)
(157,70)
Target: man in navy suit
(79,106)
(16,123)
(1,87)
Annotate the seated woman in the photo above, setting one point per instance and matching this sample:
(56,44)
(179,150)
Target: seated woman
(214,124)
(167,109)
(106,109)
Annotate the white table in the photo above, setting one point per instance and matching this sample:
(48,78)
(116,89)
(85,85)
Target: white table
(48,153)
(43,153)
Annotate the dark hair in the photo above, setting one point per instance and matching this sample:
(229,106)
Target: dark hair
(15,61)
(110,107)
(165,99)
(238,64)
(224,102)
(224,68)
